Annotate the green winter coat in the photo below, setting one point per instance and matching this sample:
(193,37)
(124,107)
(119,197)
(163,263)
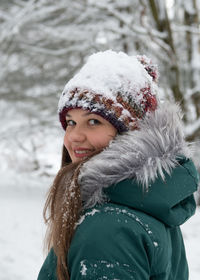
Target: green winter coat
(134,233)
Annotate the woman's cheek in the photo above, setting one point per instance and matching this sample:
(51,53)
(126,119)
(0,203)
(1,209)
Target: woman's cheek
(65,141)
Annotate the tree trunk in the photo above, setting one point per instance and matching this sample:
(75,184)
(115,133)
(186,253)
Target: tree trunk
(164,25)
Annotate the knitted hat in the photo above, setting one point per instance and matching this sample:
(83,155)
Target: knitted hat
(118,87)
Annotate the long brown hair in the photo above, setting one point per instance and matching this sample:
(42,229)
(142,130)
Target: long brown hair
(61,212)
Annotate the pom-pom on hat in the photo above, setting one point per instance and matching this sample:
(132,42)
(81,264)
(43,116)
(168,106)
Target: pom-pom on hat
(118,87)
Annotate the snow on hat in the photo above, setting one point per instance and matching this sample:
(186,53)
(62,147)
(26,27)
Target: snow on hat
(118,87)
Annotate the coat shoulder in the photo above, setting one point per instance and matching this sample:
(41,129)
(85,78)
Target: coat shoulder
(126,237)
(111,217)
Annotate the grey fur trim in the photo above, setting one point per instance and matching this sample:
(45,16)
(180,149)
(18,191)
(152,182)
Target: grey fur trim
(141,154)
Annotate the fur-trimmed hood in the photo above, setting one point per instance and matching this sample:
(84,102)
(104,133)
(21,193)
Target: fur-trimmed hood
(142,155)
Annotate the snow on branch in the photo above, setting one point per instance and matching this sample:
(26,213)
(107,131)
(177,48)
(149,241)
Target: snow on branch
(193,128)
(132,27)
(57,52)
(185,28)
(191,92)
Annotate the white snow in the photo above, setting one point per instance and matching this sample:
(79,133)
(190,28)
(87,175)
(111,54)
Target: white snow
(22,229)
(91,213)
(191,230)
(117,66)
(123,72)
(155,244)
(83,268)
(189,7)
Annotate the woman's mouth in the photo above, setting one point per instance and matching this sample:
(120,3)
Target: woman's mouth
(81,153)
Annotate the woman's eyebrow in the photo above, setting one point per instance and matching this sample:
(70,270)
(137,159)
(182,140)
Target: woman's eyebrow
(67,115)
(84,114)
(87,113)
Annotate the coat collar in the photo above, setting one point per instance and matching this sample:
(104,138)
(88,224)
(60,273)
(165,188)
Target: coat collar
(142,155)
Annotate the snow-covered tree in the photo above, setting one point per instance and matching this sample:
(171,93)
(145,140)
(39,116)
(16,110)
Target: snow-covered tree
(44,42)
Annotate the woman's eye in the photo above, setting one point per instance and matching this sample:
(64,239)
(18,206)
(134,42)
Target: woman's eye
(94,122)
(70,123)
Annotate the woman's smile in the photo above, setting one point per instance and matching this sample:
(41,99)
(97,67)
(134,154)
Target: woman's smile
(82,152)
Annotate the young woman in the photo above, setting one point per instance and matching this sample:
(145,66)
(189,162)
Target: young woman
(126,181)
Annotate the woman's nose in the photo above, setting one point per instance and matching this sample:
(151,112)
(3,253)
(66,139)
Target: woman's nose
(77,135)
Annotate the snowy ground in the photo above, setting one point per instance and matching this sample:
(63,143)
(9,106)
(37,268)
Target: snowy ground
(22,230)
(191,235)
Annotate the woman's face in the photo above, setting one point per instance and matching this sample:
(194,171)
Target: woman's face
(85,133)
